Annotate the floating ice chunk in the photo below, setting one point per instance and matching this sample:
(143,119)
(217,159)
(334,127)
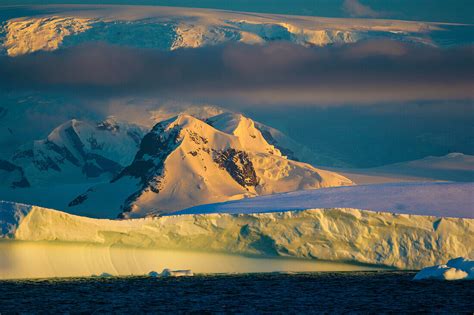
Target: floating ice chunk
(171,273)
(103,275)
(153,274)
(176,273)
(456,269)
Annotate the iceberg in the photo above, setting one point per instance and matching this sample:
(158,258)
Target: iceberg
(342,235)
(456,269)
(103,275)
(171,273)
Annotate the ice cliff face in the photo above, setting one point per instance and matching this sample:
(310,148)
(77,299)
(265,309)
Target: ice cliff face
(402,241)
(185,161)
(174,28)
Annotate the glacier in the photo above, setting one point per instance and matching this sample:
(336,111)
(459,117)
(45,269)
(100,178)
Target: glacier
(441,199)
(175,28)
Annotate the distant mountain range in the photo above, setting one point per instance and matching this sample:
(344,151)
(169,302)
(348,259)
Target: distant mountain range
(183,161)
(79,151)
(186,161)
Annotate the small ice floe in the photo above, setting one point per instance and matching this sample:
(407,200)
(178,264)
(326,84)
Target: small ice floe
(456,269)
(103,275)
(171,273)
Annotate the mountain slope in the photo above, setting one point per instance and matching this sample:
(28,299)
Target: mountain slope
(78,151)
(185,161)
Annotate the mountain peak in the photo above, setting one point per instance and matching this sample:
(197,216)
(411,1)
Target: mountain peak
(245,130)
(185,161)
(79,150)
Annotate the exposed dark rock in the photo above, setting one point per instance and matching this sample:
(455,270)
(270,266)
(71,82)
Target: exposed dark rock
(138,169)
(149,161)
(197,138)
(94,144)
(108,124)
(96,165)
(76,140)
(64,152)
(23,154)
(238,165)
(22,182)
(7,166)
(78,200)
(46,163)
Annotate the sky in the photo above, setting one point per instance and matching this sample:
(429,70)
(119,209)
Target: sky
(454,11)
(367,104)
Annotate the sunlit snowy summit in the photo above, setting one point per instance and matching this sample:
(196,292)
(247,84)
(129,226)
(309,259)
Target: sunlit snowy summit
(185,161)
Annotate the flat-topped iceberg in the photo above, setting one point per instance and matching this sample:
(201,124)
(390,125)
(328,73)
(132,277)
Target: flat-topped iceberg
(333,234)
(456,269)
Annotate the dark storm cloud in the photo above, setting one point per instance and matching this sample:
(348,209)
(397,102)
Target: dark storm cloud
(278,73)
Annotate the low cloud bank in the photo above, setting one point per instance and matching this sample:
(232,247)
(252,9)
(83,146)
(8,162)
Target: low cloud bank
(356,9)
(278,73)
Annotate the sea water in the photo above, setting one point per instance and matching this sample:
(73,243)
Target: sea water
(332,292)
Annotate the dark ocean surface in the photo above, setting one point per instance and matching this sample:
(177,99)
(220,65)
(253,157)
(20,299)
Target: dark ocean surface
(330,292)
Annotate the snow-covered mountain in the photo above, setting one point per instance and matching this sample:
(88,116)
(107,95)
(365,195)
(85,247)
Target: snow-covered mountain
(79,151)
(285,144)
(173,28)
(185,161)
